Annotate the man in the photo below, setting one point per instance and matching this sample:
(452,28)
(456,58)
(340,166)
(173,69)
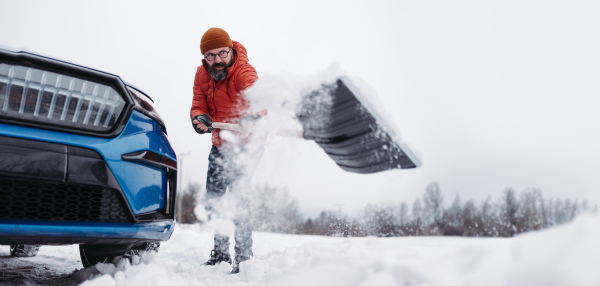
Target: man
(224,74)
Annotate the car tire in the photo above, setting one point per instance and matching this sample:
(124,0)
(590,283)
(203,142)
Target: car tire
(22,250)
(88,259)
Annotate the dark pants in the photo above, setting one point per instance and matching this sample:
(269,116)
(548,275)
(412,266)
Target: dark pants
(223,172)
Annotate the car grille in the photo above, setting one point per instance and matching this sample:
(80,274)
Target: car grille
(49,98)
(47,201)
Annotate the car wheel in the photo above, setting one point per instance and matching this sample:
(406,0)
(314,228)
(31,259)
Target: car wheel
(89,258)
(21,250)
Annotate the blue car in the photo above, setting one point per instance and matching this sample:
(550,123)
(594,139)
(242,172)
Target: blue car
(84,159)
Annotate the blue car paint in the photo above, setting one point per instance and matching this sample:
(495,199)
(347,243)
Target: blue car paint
(145,183)
(160,231)
(142,184)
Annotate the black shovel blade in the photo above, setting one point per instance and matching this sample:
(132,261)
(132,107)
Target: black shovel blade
(341,121)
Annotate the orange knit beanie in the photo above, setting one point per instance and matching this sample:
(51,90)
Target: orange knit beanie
(214,38)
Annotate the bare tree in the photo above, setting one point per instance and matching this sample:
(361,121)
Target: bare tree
(471,220)
(188,203)
(508,214)
(416,224)
(433,211)
(489,217)
(532,210)
(403,219)
(453,218)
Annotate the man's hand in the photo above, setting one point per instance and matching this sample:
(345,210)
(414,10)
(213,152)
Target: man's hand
(202,124)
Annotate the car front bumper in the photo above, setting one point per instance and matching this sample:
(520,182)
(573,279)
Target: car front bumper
(58,233)
(137,200)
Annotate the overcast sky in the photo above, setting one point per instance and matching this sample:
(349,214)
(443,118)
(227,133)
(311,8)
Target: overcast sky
(490,94)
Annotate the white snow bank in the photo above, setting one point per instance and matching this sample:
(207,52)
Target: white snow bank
(564,255)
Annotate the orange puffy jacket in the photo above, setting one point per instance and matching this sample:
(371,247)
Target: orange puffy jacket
(223,101)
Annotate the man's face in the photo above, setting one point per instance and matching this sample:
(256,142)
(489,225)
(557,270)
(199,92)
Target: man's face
(217,65)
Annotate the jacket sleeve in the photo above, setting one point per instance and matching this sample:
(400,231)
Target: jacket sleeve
(199,105)
(246,78)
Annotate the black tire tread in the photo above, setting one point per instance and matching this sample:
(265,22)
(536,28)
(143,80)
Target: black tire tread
(24,250)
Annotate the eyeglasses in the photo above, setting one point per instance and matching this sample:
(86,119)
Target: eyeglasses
(222,54)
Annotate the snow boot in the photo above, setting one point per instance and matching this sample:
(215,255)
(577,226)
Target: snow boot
(236,262)
(235,269)
(217,257)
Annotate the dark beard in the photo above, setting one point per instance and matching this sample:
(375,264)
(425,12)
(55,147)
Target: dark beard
(218,75)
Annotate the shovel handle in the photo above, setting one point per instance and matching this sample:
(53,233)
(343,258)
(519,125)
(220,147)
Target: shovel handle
(226,126)
(235,127)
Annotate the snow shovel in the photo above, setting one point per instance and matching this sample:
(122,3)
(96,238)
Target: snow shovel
(343,123)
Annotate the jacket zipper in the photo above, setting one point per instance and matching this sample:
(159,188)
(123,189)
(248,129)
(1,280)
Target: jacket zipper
(213,100)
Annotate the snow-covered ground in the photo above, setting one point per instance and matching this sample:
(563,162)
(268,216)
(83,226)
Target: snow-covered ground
(563,255)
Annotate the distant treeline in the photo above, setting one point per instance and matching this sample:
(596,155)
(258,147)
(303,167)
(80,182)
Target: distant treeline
(274,210)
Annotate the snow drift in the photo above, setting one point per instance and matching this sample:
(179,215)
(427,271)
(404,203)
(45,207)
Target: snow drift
(563,255)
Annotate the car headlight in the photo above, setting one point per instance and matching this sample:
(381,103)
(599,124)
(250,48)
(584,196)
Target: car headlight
(47,97)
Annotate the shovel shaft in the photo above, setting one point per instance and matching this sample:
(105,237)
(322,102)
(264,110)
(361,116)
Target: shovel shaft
(235,127)
(226,126)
